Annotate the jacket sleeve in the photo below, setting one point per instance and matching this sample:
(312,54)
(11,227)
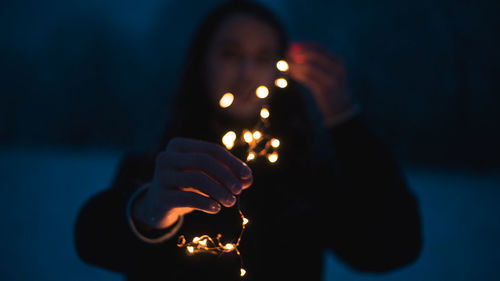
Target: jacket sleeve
(374,217)
(102,233)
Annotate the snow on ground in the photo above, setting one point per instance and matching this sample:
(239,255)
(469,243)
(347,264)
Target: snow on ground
(41,191)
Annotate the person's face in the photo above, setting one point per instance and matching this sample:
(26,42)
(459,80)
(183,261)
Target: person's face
(241,58)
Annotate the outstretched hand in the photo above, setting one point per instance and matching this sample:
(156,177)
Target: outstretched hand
(191,175)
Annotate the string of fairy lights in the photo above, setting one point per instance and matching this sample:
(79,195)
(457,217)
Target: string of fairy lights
(259,144)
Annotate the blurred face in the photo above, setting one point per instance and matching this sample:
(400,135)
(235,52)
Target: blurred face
(241,58)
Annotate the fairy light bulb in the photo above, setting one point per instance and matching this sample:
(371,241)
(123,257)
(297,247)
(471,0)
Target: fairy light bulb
(273,157)
(281,83)
(228,139)
(264,113)
(282,65)
(262,92)
(257,135)
(229,246)
(190,249)
(247,136)
(275,143)
(242,272)
(251,156)
(245,221)
(226,100)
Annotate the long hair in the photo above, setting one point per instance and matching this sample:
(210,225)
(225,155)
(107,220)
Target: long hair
(190,113)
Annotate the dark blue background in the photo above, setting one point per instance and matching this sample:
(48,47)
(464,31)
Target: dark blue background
(82,82)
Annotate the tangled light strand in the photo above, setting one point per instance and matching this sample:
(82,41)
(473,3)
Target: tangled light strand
(259,145)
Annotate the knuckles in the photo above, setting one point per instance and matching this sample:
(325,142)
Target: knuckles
(205,160)
(174,143)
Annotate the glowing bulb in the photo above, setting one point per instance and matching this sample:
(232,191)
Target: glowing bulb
(196,239)
(273,157)
(264,113)
(257,135)
(262,92)
(247,136)
(282,65)
(250,156)
(242,272)
(229,246)
(245,221)
(228,139)
(226,100)
(190,249)
(281,82)
(203,242)
(275,143)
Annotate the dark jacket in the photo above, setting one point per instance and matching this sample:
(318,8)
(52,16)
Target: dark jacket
(357,205)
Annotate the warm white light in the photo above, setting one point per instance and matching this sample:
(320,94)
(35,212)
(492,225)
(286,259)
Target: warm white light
(262,92)
(255,139)
(273,157)
(264,113)
(282,65)
(247,136)
(275,143)
(257,135)
(281,82)
(228,139)
(250,156)
(226,100)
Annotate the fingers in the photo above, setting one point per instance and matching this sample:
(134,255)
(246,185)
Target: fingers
(196,182)
(314,58)
(308,73)
(317,69)
(212,168)
(238,167)
(246,183)
(314,51)
(199,175)
(195,201)
(207,186)
(317,56)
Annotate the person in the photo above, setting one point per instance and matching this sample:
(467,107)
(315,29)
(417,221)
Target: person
(352,200)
